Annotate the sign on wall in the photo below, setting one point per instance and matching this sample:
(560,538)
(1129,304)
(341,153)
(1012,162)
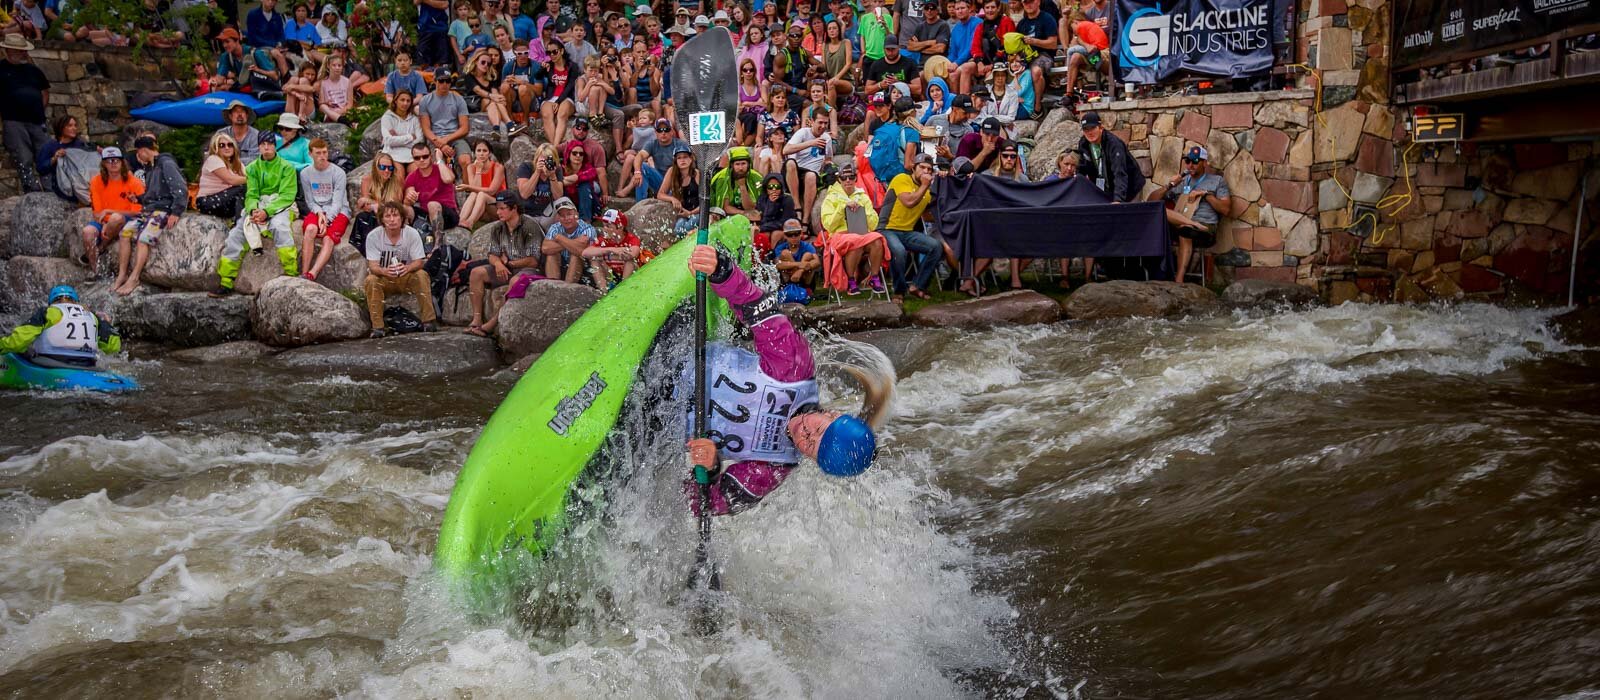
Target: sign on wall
(1430,128)
(1442,29)
(1153,40)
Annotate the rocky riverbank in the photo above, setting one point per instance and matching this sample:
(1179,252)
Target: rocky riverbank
(296,322)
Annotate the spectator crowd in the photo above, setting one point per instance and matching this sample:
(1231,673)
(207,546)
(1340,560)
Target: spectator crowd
(929,88)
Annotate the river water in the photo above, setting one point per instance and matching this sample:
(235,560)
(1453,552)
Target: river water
(1363,501)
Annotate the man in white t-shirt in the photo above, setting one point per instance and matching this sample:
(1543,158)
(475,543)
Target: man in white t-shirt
(394,264)
(808,150)
(323,185)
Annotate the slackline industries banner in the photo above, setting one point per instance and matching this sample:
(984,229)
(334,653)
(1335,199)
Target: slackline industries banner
(1439,29)
(1153,40)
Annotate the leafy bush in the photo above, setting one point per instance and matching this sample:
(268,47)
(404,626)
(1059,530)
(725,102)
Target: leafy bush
(188,147)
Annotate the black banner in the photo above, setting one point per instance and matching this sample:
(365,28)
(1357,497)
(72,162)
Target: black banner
(1154,40)
(1427,30)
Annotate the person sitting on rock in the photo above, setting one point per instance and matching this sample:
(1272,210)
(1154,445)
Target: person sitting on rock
(113,199)
(514,241)
(395,257)
(614,252)
(797,260)
(166,195)
(63,334)
(430,189)
(292,144)
(737,187)
(1197,196)
(270,187)
(328,209)
(565,242)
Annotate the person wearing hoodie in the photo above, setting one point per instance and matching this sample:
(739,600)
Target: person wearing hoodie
(937,98)
(271,184)
(166,195)
(775,206)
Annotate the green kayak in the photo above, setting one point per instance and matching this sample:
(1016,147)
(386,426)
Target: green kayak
(512,494)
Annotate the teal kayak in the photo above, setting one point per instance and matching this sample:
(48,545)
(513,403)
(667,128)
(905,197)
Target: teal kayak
(16,372)
(512,493)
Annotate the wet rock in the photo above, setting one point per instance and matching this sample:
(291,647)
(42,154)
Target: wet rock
(106,265)
(293,311)
(653,222)
(186,257)
(522,365)
(1579,326)
(1125,299)
(189,319)
(346,271)
(1015,308)
(848,317)
(1056,135)
(1269,293)
(237,352)
(26,280)
(409,355)
(910,349)
(38,227)
(532,323)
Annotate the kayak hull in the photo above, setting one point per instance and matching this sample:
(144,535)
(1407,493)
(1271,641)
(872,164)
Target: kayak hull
(205,110)
(512,492)
(16,372)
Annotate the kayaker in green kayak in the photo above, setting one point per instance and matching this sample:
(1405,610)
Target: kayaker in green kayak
(764,412)
(63,334)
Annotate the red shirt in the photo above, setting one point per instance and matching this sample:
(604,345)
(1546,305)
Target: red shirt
(432,188)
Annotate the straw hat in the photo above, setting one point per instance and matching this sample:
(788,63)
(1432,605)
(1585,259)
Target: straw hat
(16,42)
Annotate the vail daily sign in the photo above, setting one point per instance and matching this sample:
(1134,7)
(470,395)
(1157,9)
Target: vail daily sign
(1153,40)
(1446,30)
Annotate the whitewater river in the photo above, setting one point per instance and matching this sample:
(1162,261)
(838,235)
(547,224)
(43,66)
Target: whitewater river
(1364,501)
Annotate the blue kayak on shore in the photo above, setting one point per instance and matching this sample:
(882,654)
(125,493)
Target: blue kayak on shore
(205,110)
(16,372)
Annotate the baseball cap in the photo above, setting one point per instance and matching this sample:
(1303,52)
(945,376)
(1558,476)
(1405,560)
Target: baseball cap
(441,74)
(613,216)
(110,152)
(904,104)
(990,126)
(922,158)
(891,40)
(879,98)
(847,169)
(564,203)
(229,33)
(738,153)
(1008,146)
(143,142)
(962,101)
(793,225)
(642,10)
(718,211)
(663,125)
(506,197)
(702,21)
(580,123)
(1091,120)
(682,150)
(1197,154)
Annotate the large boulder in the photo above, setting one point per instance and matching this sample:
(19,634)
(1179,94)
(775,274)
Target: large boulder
(1269,293)
(186,257)
(653,221)
(1125,299)
(132,130)
(1057,134)
(182,318)
(106,264)
(532,323)
(1024,129)
(352,181)
(1014,308)
(337,135)
(521,152)
(38,227)
(294,311)
(410,355)
(256,270)
(848,317)
(26,279)
(371,142)
(346,271)
(237,352)
(7,206)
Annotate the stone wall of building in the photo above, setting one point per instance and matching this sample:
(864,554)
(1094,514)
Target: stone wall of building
(96,85)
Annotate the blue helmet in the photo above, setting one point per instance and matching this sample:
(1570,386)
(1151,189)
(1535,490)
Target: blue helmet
(847,447)
(63,290)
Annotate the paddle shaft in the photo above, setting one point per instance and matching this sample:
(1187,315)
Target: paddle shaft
(702,472)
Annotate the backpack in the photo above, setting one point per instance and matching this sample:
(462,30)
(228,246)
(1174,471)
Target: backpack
(441,267)
(399,319)
(73,173)
(886,153)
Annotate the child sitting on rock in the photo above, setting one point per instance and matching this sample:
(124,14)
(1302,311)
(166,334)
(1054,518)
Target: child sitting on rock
(614,252)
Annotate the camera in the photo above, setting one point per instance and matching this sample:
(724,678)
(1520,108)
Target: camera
(549,163)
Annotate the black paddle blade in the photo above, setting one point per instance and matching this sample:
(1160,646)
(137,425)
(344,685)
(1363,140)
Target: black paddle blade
(705,78)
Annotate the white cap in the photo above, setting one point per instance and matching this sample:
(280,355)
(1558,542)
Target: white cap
(110,152)
(641,10)
(702,21)
(721,16)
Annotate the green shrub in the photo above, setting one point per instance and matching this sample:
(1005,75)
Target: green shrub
(188,147)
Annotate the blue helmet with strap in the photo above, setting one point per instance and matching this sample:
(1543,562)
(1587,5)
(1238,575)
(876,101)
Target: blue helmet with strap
(63,290)
(847,447)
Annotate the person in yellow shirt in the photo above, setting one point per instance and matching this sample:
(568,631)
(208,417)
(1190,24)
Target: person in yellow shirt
(854,255)
(908,200)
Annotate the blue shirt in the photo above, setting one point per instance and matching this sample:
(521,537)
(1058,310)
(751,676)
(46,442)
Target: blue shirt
(260,31)
(524,28)
(477,41)
(800,250)
(961,33)
(530,71)
(303,32)
(556,229)
(397,82)
(431,19)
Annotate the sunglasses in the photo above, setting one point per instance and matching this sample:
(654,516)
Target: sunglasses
(224,145)
(774,188)
(747,70)
(1008,155)
(386,167)
(847,178)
